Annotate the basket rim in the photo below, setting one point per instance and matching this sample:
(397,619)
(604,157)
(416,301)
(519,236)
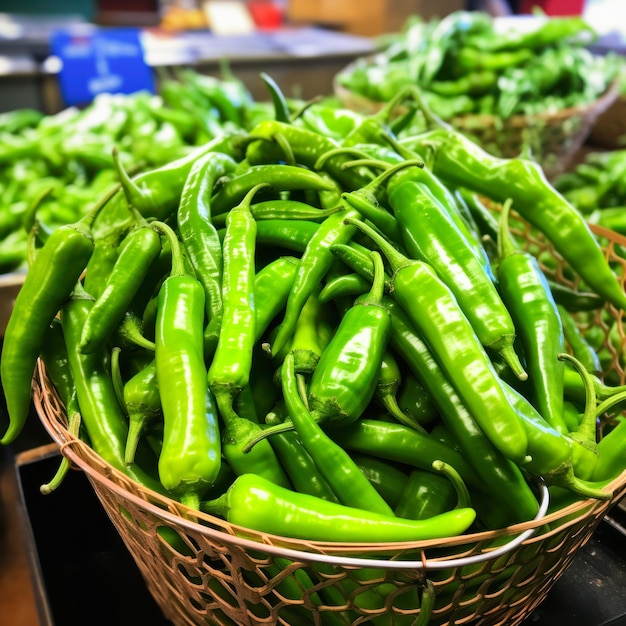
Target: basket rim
(78,453)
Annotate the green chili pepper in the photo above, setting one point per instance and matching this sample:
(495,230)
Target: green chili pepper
(229,371)
(459,161)
(306,146)
(501,476)
(402,444)
(434,311)
(255,503)
(271,289)
(47,286)
(280,177)
(140,250)
(388,479)
(199,235)
(430,235)
(550,451)
(314,264)
(156,193)
(299,465)
(283,210)
(577,343)
(389,381)
(425,494)
(281,108)
(344,285)
(349,484)
(142,401)
(101,415)
(523,287)
(190,456)
(291,235)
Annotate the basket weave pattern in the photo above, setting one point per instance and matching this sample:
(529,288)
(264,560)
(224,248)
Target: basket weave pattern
(218,573)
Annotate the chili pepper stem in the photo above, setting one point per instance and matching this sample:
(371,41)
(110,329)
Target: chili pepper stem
(586,433)
(463,497)
(64,466)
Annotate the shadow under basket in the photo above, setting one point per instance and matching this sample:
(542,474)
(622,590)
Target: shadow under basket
(554,137)
(201,569)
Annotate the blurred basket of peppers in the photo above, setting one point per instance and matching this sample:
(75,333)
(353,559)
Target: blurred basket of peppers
(59,165)
(597,188)
(512,89)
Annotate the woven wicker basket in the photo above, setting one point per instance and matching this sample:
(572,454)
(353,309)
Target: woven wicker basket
(219,573)
(554,137)
(609,130)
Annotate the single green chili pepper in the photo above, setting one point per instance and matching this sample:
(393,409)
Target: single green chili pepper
(142,401)
(278,176)
(283,210)
(199,235)
(101,414)
(48,284)
(430,235)
(294,457)
(314,264)
(524,290)
(402,444)
(389,381)
(138,253)
(190,456)
(229,371)
(291,235)
(306,147)
(498,474)
(349,484)
(414,401)
(574,300)
(388,479)
(434,311)
(271,289)
(461,162)
(344,285)
(425,494)
(577,343)
(255,503)
(281,108)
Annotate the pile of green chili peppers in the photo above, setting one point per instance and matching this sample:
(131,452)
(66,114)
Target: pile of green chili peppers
(306,333)
(597,188)
(61,163)
(466,64)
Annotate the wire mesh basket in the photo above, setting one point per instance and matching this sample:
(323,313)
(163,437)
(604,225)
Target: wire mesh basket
(201,569)
(554,137)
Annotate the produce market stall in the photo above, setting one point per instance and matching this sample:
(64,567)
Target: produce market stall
(413,414)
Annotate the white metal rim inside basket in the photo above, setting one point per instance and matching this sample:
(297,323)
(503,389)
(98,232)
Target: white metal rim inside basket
(300,555)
